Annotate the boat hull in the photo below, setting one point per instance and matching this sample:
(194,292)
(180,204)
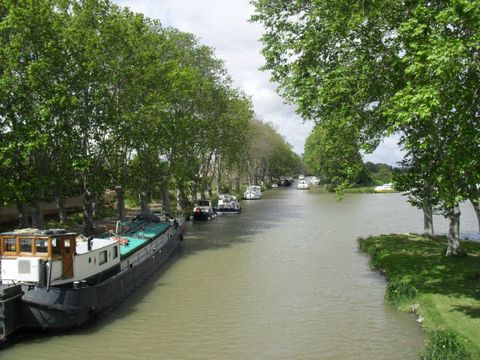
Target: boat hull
(203,216)
(227,211)
(67,308)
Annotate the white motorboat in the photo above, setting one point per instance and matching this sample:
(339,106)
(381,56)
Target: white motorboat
(253,192)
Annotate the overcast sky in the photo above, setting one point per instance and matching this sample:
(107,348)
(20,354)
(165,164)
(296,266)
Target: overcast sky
(223,25)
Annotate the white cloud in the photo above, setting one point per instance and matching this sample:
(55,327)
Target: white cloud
(387,152)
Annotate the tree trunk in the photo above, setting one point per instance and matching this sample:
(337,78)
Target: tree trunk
(194,193)
(182,199)
(165,197)
(37,215)
(88,204)
(454,247)
(94,204)
(219,176)
(23,220)
(179,201)
(62,212)
(237,185)
(144,207)
(427,219)
(120,193)
(476,207)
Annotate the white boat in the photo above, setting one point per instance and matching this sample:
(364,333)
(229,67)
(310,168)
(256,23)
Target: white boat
(227,204)
(253,192)
(315,180)
(384,188)
(303,185)
(203,211)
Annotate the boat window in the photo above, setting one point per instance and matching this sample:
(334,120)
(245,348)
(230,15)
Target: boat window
(115,252)
(11,244)
(67,246)
(41,246)
(102,257)
(26,245)
(56,250)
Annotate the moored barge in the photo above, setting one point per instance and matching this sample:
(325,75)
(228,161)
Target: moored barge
(53,281)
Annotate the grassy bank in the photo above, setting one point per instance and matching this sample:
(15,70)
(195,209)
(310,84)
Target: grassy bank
(443,291)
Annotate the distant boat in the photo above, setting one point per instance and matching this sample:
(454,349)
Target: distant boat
(303,185)
(203,211)
(315,180)
(384,188)
(285,181)
(253,192)
(227,204)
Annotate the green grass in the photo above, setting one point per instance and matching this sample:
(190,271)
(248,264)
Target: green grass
(360,190)
(445,290)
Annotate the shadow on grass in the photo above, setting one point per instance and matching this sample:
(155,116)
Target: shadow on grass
(470,311)
(422,262)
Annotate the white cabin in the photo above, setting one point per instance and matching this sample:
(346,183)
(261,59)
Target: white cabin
(53,257)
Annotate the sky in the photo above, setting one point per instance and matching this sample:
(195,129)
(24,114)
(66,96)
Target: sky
(224,25)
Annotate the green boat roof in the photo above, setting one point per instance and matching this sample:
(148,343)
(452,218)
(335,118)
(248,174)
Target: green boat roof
(140,236)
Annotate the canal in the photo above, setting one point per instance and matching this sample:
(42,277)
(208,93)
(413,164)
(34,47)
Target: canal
(282,280)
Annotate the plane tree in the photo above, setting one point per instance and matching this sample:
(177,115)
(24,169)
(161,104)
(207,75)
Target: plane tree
(383,68)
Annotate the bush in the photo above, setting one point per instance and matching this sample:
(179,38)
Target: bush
(444,345)
(400,292)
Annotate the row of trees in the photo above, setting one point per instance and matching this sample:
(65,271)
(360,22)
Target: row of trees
(364,70)
(95,97)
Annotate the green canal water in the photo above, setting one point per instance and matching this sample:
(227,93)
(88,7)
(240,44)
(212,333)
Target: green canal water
(282,280)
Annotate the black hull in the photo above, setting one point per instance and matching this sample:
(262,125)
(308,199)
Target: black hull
(62,309)
(203,216)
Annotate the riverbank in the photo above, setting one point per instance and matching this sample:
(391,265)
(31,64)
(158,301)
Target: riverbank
(444,292)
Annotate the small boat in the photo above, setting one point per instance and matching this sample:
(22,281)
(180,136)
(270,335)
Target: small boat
(52,280)
(203,211)
(384,188)
(314,180)
(285,181)
(253,192)
(303,185)
(227,204)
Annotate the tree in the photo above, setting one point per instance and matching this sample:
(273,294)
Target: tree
(333,154)
(438,108)
(387,67)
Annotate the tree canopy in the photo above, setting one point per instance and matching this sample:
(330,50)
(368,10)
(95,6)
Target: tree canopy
(95,97)
(364,70)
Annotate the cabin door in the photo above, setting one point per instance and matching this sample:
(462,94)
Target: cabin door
(68,245)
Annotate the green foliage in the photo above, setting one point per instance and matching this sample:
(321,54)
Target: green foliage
(333,154)
(444,345)
(400,292)
(95,97)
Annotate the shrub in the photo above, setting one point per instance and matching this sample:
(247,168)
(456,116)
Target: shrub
(400,292)
(444,345)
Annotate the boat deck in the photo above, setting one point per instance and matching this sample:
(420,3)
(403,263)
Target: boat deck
(139,237)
